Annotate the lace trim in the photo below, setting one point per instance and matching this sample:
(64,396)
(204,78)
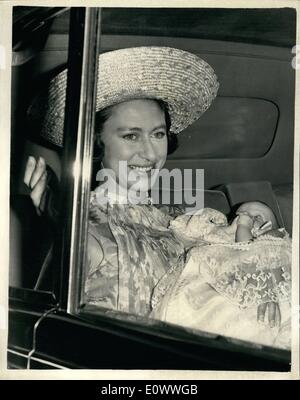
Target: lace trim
(247,274)
(259,275)
(251,289)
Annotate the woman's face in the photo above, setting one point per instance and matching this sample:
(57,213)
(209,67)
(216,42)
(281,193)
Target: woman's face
(135,132)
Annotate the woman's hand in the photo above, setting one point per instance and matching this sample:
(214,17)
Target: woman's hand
(35,178)
(274,315)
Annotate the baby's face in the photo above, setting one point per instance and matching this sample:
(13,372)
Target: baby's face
(259,212)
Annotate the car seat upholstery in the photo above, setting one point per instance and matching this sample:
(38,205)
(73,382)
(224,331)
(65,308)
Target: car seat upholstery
(211,198)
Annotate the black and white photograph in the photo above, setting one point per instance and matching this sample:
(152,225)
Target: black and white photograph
(151,189)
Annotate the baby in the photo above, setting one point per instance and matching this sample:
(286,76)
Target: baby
(256,219)
(231,270)
(211,226)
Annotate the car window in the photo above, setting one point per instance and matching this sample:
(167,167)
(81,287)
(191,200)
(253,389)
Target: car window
(243,127)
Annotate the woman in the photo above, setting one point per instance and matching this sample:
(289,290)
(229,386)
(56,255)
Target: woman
(146,96)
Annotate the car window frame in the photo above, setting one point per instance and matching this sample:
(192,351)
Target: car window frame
(79,228)
(65,255)
(84,40)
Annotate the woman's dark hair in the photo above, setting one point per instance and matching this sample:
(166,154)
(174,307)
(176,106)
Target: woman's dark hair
(103,115)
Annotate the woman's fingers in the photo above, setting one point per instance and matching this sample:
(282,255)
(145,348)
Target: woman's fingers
(261,311)
(38,190)
(30,166)
(33,171)
(38,171)
(35,178)
(272,313)
(278,315)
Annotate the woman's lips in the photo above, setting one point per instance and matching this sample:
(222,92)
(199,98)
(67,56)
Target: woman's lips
(141,168)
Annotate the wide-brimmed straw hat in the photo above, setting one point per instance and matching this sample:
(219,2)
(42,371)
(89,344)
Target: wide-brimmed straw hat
(185,82)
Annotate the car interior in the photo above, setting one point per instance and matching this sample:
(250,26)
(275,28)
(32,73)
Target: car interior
(244,142)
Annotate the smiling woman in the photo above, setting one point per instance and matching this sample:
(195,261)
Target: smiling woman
(162,90)
(122,271)
(135,132)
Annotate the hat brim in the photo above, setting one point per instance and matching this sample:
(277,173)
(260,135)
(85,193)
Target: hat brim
(185,82)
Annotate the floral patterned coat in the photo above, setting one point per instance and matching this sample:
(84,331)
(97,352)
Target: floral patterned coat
(138,249)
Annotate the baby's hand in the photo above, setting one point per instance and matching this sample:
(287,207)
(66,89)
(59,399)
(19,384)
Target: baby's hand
(244,227)
(255,215)
(245,219)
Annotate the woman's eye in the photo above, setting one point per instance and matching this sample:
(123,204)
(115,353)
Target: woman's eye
(159,135)
(130,136)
